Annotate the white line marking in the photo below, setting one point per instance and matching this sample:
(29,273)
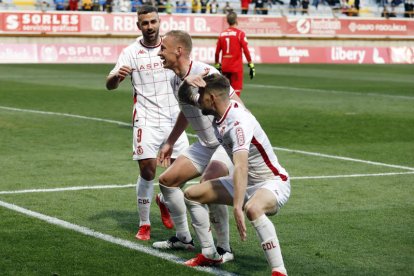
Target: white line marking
(345,158)
(192,135)
(100,187)
(125,243)
(331,91)
(65,115)
(349,175)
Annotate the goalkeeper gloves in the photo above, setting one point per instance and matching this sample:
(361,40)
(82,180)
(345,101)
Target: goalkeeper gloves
(252,72)
(218,67)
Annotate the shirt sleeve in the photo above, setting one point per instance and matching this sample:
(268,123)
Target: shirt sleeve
(245,46)
(241,135)
(218,50)
(123,59)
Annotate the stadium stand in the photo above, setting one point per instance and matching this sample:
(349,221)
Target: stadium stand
(315,8)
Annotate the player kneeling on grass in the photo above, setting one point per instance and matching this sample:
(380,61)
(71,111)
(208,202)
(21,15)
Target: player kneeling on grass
(260,186)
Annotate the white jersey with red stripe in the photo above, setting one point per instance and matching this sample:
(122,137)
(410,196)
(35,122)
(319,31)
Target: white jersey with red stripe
(154,101)
(200,123)
(239,130)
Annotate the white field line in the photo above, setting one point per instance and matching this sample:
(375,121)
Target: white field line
(349,175)
(101,187)
(331,91)
(92,233)
(345,158)
(192,135)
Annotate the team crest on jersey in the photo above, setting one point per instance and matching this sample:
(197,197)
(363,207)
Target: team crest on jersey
(236,123)
(140,151)
(240,136)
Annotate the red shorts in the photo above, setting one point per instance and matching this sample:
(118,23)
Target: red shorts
(236,80)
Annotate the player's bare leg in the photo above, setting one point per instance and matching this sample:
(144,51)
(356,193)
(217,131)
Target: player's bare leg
(261,203)
(145,191)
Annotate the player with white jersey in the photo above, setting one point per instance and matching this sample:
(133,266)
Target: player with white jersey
(259,185)
(154,112)
(203,158)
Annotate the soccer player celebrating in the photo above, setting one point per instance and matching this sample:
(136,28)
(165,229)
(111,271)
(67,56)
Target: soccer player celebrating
(203,157)
(260,186)
(231,43)
(154,112)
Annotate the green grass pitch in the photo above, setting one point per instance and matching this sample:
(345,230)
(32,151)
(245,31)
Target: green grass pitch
(345,133)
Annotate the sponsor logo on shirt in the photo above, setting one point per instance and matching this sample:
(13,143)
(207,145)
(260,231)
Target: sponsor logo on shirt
(141,52)
(149,66)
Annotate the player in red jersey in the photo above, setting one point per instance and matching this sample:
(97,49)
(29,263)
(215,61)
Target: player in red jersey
(231,43)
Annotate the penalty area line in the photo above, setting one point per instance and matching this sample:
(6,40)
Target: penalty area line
(108,238)
(101,187)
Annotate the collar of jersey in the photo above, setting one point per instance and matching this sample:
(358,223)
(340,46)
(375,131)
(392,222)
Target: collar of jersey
(141,41)
(188,72)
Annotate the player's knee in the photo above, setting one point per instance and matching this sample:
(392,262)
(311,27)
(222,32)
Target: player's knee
(253,211)
(164,180)
(147,170)
(190,194)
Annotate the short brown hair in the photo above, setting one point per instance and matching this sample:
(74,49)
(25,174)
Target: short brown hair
(146,9)
(217,83)
(232,18)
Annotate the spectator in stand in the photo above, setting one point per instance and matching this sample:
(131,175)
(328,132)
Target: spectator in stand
(203,6)
(87,5)
(408,8)
(213,6)
(227,8)
(124,5)
(181,6)
(108,6)
(387,14)
(161,5)
(258,6)
(245,6)
(195,6)
(59,5)
(135,4)
(168,7)
(73,5)
(305,7)
(267,6)
(293,5)
(231,44)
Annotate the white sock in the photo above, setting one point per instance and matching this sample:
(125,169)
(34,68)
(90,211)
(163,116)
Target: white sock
(145,191)
(201,225)
(266,232)
(219,218)
(174,200)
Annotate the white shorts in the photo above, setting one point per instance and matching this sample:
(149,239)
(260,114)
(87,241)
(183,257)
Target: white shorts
(278,187)
(200,156)
(147,140)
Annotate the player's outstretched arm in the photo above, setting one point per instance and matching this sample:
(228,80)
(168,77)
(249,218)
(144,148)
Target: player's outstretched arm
(112,81)
(179,127)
